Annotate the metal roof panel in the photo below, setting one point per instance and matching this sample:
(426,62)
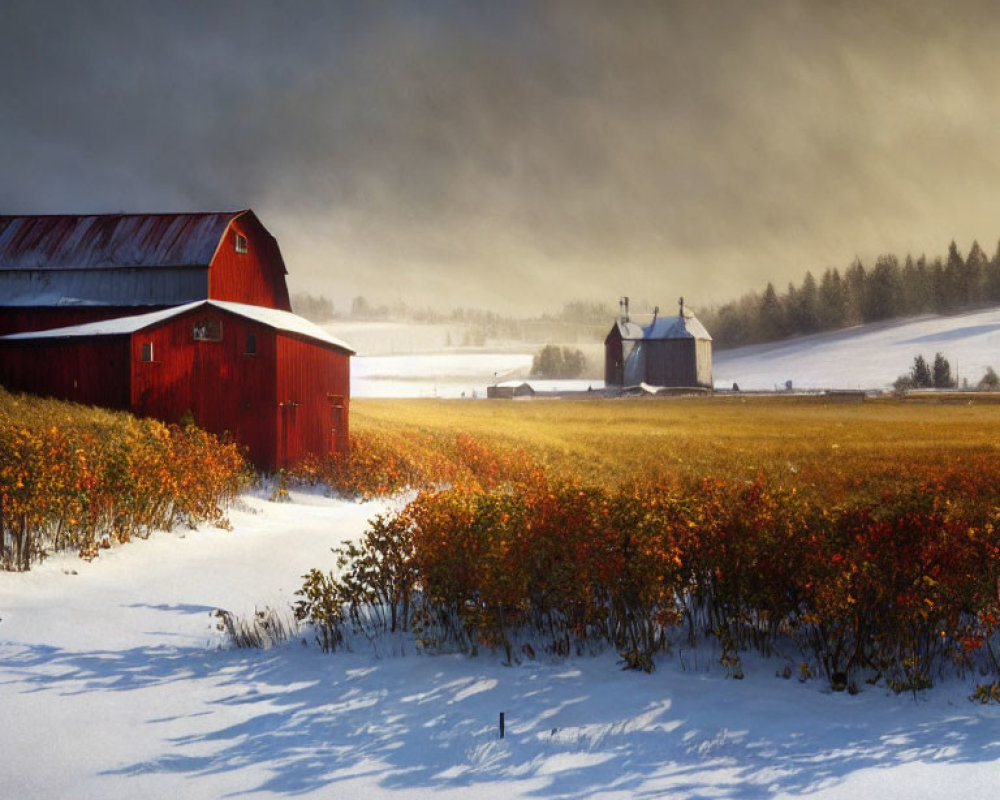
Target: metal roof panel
(64,242)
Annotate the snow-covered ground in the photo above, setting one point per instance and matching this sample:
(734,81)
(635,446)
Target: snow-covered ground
(114,684)
(868,357)
(455,374)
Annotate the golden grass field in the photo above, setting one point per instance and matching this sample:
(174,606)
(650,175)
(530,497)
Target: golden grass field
(810,443)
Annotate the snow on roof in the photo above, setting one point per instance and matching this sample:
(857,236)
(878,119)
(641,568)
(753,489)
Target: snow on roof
(629,330)
(675,327)
(284,321)
(281,320)
(105,241)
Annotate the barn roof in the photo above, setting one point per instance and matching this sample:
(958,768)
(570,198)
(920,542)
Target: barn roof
(676,327)
(629,330)
(283,321)
(108,241)
(684,326)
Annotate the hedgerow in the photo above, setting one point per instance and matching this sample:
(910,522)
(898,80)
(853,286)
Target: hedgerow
(78,478)
(896,589)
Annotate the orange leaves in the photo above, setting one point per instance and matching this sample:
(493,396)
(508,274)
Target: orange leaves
(868,584)
(72,477)
(384,463)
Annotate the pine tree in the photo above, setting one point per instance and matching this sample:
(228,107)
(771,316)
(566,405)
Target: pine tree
(832,308)
(951,289)
(770,316)
(942,373)
(885,289)
(807,306)
(856,281)
(915,286)
(993,277)
(940,293)
(921,374)
(976,269)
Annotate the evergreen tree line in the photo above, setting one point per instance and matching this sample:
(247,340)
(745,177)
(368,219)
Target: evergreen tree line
(860,295)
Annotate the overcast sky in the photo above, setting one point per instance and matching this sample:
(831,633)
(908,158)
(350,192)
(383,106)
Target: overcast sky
(517,155)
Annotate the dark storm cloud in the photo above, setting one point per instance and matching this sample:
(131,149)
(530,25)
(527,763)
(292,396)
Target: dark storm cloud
(518,152)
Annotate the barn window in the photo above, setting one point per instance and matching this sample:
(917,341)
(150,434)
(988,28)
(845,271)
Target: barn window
(207,329)
(241,243)
(251,344)
(147,352)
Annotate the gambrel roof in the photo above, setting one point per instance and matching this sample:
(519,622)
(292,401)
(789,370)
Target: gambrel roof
(111,241)
(113,259)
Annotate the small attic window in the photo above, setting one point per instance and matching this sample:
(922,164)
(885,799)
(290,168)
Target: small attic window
(147,352)
(207,329)
(251,349)
(241,243)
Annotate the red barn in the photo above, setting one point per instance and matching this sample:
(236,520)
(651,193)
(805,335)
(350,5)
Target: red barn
(58,270)
(277,382)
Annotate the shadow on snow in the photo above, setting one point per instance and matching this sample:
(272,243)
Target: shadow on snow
(574,728)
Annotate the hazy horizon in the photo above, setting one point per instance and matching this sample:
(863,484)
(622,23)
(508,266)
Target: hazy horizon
(519,155)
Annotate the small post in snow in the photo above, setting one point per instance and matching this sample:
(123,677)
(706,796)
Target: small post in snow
(501,724)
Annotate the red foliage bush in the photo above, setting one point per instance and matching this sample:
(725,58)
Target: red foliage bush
(894,589)
(73,477)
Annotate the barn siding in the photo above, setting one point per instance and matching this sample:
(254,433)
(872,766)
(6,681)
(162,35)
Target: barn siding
(20,320)
(223,387)
(92,371)
(670,362)
(703,352)
(312,380)
(256,277)
(614,359)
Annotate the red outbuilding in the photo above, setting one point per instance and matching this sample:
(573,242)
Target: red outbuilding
(58,270)
(167,315)
(275,381)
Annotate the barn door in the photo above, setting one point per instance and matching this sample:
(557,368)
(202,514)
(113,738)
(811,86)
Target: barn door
(288,441)
(338,423)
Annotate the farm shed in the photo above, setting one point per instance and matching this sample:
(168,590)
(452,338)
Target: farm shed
(669,352)
(59,270)
(275,381)
(509,390)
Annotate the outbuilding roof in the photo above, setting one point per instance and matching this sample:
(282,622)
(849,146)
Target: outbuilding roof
(681,326)
(271,317)
(107,241)
(684,326)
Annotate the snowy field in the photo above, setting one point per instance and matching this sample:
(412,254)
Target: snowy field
(446,375)
(868,357)
(114,683)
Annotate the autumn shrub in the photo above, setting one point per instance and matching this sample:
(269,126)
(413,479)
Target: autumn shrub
(379,464)
(79,478)
(858,541)
(897,591)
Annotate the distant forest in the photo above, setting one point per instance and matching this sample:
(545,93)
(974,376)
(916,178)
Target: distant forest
(859,295)
(577,321)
